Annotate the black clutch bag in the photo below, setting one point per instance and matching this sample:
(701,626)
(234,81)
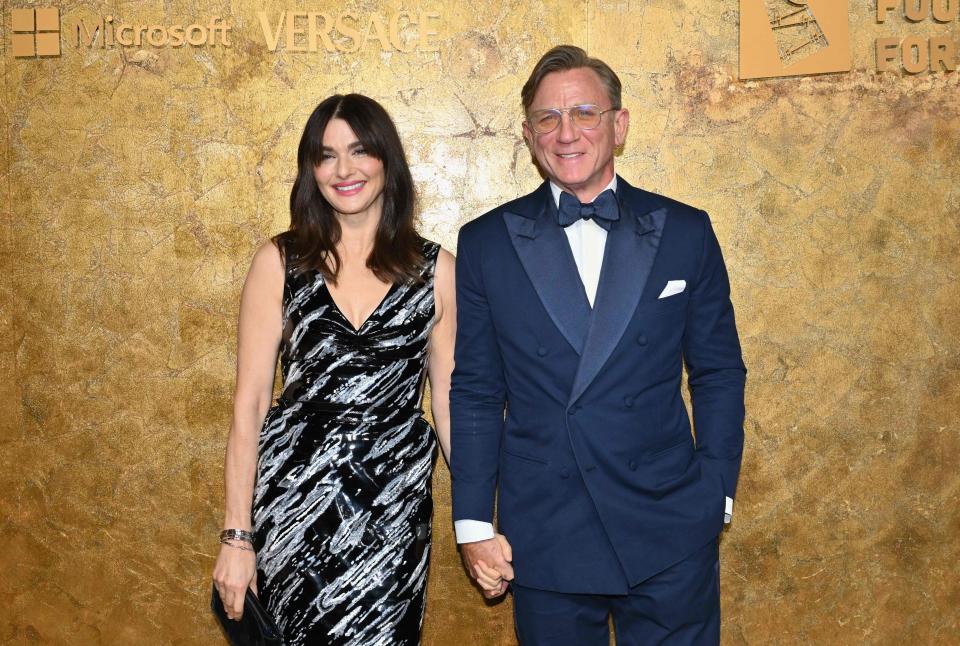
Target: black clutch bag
(255,628)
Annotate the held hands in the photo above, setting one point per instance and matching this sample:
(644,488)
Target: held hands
(488,562)
(235,571)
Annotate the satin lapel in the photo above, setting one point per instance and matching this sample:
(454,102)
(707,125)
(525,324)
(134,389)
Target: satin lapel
(627,259)
(546,258)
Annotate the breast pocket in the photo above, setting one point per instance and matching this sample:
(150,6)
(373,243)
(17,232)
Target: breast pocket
(675,305)
(660,321)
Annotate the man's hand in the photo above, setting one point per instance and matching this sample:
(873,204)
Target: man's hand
(488,562)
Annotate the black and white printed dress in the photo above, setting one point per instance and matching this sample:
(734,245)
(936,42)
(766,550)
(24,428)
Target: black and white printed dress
(342,503)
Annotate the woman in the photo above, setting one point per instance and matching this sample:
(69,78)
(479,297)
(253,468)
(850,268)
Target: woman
(338,471)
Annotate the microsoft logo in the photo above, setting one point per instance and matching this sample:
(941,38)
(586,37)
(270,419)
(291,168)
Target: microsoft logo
(36,32)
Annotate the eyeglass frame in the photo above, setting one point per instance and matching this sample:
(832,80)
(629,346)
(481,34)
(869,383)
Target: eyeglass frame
(560,112)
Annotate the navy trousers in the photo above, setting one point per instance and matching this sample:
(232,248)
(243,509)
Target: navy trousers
(680,606)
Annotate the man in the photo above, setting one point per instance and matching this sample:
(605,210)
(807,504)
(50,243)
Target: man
(577,306)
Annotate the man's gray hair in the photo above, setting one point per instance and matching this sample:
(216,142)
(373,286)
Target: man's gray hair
(570,57)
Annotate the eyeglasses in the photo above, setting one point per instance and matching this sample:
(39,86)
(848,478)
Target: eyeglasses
(585,117)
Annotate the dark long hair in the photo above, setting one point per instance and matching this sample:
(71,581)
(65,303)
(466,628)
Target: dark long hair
(311,243)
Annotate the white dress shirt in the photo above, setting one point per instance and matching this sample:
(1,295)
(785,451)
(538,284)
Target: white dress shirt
(587,242)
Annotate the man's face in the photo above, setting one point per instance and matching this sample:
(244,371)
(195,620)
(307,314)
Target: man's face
(579,161)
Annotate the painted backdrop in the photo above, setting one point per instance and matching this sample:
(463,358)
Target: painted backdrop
(138,180)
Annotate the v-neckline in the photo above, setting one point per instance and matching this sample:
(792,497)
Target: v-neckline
(357,330)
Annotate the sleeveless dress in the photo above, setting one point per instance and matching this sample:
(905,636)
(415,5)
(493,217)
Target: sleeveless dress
(342,502)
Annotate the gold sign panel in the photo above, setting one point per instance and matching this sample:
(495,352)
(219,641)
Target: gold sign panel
(793,37)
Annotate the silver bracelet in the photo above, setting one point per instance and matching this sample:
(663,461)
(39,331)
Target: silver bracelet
(227,542)
(236,535)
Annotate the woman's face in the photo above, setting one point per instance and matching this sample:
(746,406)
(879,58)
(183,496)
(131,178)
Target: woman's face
(349,178)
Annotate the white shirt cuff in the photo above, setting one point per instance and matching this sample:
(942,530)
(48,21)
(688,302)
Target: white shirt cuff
(471,531)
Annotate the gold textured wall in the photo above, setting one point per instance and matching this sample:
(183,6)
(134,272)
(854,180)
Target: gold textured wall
(137,183)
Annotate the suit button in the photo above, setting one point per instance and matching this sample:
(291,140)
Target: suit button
(541,352)
(632,465)
(574,410)
(628,401)
(642,340)
(564,473)
(590,468)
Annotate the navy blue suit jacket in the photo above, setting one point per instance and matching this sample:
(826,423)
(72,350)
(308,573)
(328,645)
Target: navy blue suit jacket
(573,416)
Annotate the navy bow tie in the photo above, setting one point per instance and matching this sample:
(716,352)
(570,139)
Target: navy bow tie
(603,210)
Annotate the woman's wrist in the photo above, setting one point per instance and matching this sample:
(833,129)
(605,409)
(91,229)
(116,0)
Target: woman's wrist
(238,545)
(239,521)
(234,534)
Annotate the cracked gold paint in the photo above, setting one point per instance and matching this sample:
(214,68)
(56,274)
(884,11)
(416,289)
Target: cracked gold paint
(138,183)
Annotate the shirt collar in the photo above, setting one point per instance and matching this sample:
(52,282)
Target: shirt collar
(556,190)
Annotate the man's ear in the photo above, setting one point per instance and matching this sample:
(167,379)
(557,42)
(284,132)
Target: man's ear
(527,134)
(620,126)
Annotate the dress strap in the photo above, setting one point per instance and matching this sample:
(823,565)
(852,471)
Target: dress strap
(431,252)
(293,279)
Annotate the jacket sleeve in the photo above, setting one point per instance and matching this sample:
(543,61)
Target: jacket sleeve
(715,369)
(477,391)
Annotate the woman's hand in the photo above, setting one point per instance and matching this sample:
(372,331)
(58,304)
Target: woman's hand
(235,571)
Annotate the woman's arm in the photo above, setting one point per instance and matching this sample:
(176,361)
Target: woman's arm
(440,362)
(258,341)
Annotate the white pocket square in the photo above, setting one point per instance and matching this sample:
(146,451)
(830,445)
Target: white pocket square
(673,287)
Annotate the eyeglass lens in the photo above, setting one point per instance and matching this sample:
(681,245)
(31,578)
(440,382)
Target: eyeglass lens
(586,117)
